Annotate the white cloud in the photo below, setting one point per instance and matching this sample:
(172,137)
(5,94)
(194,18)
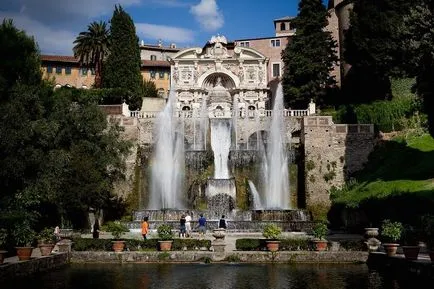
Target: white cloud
(166,33)
(208,15)
(50,40)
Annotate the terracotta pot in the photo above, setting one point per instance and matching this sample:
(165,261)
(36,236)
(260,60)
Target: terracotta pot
(46,249)
(118,246)
(411,252)
(165,245)
(24,253)
(272,245)
(390,248)
(320,245)
(2,256)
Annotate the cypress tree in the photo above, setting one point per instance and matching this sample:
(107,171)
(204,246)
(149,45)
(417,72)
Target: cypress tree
(123,64)
(309,57)
(373,48)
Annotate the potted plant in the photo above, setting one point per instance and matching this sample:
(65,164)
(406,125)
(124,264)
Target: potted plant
(46,241)
(411,238)
(392,232)
(271,233)
(319,232)
(23,235)
(117,229)
(165,237)
(3,238)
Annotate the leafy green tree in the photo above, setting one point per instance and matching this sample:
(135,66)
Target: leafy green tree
(123,64)
(418,46)
(92,47)
(149,89)
(20,58)
(309,57)
(372,47)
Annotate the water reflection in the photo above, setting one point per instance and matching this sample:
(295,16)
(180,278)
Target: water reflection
(212,276)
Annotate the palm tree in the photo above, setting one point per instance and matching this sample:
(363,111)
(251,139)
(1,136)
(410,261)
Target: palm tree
(92,47)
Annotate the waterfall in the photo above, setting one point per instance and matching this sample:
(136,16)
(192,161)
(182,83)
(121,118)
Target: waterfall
(220,144)
(275,160)
(203,122)
(168,162)
(257,204)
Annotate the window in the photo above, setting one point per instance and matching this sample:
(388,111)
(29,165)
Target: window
(153,57)
(49,69)
(161,74)
(59,70)
(282,26)
(68,70)
(276,69)
(84,71)
(152,74)
(245,44)
(275,42)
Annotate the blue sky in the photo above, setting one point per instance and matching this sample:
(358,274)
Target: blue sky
(188,23)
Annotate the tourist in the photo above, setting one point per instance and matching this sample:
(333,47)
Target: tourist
(95,229)
(222,223)
(188,225)
(182,226)
(202,225)
(145,227)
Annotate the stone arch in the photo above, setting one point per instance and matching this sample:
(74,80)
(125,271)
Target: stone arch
(229,80)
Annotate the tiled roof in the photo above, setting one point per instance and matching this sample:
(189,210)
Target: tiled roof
(162,48)
(59,58)
(155,63)
(284,18)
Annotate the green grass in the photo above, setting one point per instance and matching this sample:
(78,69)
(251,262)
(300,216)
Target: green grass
(399,167)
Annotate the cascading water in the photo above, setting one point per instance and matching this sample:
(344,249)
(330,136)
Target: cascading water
(168,163)
(275,160)
(257,204)
(220,144)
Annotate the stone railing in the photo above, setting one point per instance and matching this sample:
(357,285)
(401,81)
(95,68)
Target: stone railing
(240,114)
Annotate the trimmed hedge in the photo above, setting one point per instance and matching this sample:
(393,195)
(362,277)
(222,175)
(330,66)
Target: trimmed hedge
(295,244)
(84,244)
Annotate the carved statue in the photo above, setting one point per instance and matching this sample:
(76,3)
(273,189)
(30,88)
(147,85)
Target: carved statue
(218,82)
(175,74)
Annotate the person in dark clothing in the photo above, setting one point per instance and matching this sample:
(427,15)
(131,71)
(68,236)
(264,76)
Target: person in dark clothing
(95,229)
(182,227)
(222,223)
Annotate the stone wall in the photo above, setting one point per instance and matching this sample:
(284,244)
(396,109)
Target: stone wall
(332,152)
(32,266)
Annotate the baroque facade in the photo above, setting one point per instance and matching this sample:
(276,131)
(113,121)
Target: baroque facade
(241,71)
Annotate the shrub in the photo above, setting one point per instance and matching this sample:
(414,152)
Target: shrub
(116,228)
(165,232)
(352,245)
(84,244)
(3,237)
(233,258)
(428,230)
(249,244)
(190,244)
(392,231)
(294,244)
(46,236)
(320,230)
(271,231)
(23,235)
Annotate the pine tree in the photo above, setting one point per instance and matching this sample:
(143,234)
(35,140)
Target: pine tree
(372,47)
(123,64)
(309,57)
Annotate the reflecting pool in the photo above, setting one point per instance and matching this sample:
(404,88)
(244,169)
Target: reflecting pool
(207,276)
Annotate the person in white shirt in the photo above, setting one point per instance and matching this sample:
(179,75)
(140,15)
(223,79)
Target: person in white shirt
(188,225)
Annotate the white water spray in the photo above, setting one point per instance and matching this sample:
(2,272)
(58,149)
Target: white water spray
(168,163)
(220,144)
(275,160)
(257,204)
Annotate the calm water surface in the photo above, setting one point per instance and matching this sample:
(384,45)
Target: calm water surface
(208,276)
